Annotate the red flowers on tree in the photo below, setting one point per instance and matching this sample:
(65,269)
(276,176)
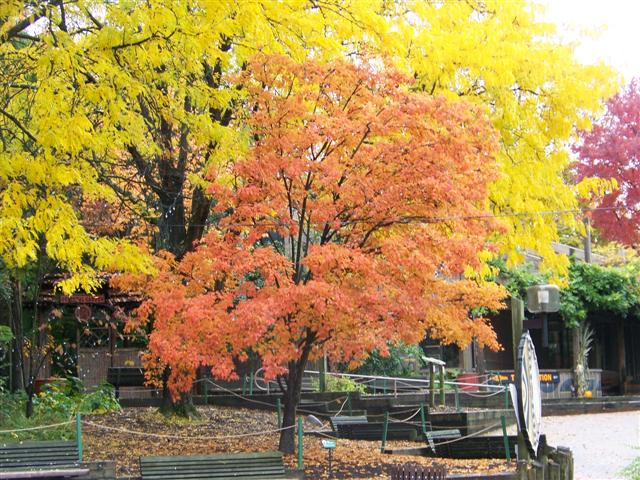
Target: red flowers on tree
(612,150)
(347,225)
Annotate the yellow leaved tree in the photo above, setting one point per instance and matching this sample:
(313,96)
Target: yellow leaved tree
(499,54)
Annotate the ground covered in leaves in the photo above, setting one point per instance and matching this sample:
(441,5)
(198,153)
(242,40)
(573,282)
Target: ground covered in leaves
(134,432)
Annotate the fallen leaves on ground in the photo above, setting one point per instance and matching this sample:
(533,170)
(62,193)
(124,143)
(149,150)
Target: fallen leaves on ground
(351,459)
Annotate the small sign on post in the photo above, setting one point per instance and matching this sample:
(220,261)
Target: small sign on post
(329,445)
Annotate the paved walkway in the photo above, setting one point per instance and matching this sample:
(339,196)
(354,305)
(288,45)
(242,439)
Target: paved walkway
(602,444)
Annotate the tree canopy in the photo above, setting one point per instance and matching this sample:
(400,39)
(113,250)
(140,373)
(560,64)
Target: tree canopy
(612,150)
(335,223)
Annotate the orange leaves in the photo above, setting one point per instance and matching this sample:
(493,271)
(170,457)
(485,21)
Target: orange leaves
(348,224)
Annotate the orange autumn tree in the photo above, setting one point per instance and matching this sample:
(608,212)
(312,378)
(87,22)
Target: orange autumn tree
(348,225)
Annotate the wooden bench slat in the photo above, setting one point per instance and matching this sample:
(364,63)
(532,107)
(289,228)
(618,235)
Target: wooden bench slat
(32,458)
(195,467)
(247,457)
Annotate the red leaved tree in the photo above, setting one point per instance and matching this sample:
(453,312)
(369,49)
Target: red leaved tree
(612,150)
(348,225)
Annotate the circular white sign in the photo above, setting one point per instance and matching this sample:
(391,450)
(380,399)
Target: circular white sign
(529,395)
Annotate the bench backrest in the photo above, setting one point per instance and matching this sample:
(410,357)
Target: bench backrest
(346,419)
(27,455)
(125,376)
(374,431)
(194,467)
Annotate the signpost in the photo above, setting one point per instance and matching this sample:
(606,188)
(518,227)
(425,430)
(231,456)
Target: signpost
(330,445)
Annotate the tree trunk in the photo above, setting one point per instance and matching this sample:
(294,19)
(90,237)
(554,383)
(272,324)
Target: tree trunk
(175,408)
(291,399)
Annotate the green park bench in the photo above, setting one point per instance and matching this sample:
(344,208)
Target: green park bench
(346,420)
(359,428)
(51,459)
(248,466)
(431,435)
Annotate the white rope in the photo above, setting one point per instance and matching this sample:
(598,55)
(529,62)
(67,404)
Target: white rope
(480,395)
(41,427)
(186,437)
(406,420)
(341,408)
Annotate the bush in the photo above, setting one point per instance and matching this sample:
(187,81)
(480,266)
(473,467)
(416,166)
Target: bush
(341,384)
(58,402)
(397,364)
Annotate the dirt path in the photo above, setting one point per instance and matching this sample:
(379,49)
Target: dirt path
(602,444)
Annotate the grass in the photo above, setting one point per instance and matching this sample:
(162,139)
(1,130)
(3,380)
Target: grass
(12,417)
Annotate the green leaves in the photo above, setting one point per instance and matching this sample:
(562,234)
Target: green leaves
(593,288)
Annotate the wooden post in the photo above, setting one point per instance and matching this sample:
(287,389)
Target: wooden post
(442,395)
(322,381)
(244,384)
(423,420)
(251,383)
(517,318)
(432,385)
(622,364)
(457,397)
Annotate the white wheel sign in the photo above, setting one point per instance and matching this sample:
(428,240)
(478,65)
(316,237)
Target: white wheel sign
(529,395)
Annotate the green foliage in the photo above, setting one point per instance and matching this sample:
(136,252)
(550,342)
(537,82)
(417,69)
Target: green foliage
(343,384)
(518,278)
(594,288)
(5,336)
(396,364)
(632,471)
(67,397)
(58,402)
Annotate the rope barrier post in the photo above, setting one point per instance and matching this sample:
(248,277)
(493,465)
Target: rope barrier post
(442,395)
(206,391)
(457,397)
(244,385)
(432,382)
(385,429)
(279,409)
(349,409)
(384,386)
(423,420)
(300,464)
(506,398)
(505,437)
(79,435)
(251,383)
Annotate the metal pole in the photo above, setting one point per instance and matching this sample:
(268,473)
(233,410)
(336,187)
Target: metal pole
(300,464)
(423,420)
(385,429)
(505,437)
(79,435)
(251,383)
(442,395)
(244,384)
(206,391)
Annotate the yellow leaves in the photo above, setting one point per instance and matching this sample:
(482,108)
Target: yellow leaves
(595,188)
